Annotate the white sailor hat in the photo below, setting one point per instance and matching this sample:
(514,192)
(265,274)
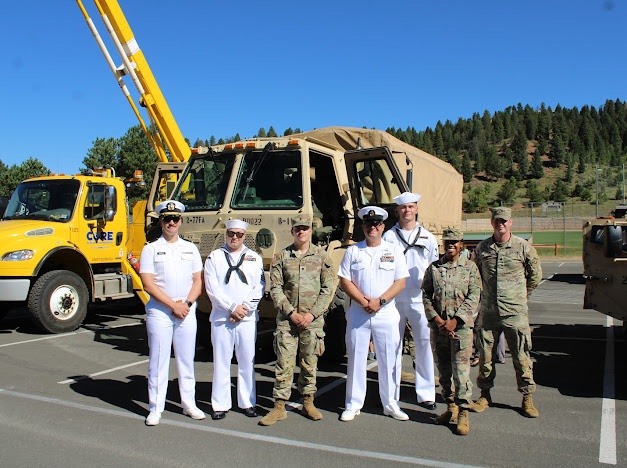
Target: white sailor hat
(170,207)
(372,213)
(236,224)
(407,197)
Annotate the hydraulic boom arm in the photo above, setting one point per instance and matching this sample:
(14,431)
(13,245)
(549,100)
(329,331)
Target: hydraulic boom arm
(163,131)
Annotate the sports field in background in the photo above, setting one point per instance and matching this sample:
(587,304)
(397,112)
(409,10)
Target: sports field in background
(572,248)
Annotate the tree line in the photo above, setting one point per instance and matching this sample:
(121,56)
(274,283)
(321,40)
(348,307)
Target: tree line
(502,156)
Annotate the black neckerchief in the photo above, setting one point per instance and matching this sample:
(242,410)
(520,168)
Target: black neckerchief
(235,268)
(407,244)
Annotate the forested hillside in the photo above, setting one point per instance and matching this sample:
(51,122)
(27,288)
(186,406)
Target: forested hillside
(516,155)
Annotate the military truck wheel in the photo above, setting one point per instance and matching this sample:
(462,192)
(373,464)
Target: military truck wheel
(335,327)
(57,301)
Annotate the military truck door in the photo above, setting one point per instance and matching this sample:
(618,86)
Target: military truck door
(374,179)
(605,267)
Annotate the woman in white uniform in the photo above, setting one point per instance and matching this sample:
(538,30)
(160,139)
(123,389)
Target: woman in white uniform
(171,271)
(372,273)
(235,283)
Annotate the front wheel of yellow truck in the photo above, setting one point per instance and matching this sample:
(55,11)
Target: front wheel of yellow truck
(57,301)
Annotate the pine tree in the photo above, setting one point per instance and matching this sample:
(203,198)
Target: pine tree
(537,171)
(467,171)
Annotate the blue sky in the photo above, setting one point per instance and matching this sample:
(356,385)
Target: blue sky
(234,66)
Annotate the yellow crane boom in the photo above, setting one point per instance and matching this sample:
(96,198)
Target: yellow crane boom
(163,131)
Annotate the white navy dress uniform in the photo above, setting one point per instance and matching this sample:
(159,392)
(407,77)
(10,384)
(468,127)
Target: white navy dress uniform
(227,288)
(372,270)
(421,249)
(173,265)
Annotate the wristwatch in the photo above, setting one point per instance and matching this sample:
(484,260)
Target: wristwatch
(189,303)
(290,313)
(383,301)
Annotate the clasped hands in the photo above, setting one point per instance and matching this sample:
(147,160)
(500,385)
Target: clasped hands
(301,321)
(373,304)
(446,327)
(238,313)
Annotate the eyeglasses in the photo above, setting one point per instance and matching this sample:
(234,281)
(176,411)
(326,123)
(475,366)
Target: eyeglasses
(171,218)
(500,221)
(370,224)
(239,235)
(301,228)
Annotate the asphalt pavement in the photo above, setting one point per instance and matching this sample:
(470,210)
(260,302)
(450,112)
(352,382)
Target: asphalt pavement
(80,399)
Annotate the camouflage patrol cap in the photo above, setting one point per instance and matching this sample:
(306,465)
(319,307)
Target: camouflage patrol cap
(453,234)
(301,220)
(501,212)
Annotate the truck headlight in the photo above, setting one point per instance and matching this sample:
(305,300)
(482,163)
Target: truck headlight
(18,256)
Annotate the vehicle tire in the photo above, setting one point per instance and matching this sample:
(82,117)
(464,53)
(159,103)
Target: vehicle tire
(335,327)
(57,302)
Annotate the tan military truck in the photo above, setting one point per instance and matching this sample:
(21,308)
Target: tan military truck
(605,266)
(329,174)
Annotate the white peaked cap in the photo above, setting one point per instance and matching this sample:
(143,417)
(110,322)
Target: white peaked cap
(407,197)
(236,224)
(374,213)
(170,207)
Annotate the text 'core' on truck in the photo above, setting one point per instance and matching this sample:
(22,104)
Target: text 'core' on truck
(65,241)
(605,266)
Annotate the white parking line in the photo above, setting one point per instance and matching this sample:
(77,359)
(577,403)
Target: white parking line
(95,374)
(607,443)
(74,333)
(247,436)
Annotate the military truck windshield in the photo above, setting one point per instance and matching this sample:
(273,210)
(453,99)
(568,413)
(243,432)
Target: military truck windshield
(274,183)
(48,200)
(205,182)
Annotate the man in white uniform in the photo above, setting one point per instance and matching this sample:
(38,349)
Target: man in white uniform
(170,269)
(372,273)
(421,249)
(235,283)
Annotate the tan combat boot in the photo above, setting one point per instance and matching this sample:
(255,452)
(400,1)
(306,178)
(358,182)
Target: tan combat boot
(407,376)
(463,422)
(527,407)
(277,413)
(483,402)
(449,416)
(309,410)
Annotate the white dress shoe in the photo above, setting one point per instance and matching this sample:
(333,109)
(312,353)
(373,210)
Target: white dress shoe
(153,418)
(349,415)
(194,413)
(396,413)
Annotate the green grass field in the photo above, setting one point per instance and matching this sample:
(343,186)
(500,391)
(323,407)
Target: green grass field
(572,248)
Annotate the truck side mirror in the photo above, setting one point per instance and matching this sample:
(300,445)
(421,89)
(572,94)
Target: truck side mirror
(613,241)
(109,203)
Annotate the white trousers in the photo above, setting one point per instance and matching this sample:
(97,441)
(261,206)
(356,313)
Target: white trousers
(224,337)
(414,312)
(383,327)
(164,331)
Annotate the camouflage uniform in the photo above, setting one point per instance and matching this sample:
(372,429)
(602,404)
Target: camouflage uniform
(510,272)
(452,289)
(299,285)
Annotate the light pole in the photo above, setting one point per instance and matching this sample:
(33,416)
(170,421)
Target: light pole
(596,177)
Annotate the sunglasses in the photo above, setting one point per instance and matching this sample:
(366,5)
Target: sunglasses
(370,224)
(301,228)
(239,235)
(500,221)
(171,218)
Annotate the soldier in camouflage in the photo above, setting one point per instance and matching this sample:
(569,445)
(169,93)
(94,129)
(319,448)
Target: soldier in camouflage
(510,271)
(451,290)
(301,284)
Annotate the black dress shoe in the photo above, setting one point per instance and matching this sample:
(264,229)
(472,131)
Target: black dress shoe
(250,412)
(430,405)
(218,415)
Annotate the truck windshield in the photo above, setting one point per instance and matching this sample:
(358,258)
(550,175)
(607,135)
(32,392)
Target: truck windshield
(204,183)
(274,182)
(48,200)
